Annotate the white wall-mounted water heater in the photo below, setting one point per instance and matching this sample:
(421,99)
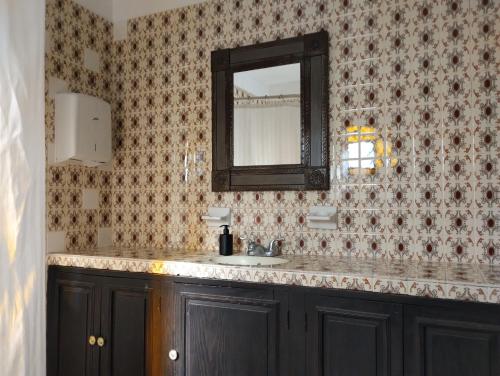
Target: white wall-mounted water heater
(82,129)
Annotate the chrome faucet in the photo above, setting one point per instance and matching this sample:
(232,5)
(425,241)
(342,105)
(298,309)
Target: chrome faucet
(256,249)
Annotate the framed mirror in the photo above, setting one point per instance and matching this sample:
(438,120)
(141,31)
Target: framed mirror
(270,116)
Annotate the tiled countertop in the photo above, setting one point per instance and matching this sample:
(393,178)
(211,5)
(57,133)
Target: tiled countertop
(437,280)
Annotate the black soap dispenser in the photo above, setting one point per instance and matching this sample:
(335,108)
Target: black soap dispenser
(225,242)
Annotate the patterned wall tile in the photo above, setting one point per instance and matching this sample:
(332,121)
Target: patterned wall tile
(70,29)
(430,192)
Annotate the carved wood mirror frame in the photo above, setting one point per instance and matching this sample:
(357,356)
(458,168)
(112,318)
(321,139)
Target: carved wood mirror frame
(311,51)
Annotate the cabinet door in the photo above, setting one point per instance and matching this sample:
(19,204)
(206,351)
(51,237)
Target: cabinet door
(72,318)
(126,327)
(452,342)
(226,331)
(353,337)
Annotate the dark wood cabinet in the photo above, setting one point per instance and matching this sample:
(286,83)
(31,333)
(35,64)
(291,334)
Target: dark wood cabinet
(219,328)
(72,320)
(126,309)
(226,331)
(442,341)
(353,337)
(99,325)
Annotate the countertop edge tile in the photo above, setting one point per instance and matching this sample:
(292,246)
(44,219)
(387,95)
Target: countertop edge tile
(310,271)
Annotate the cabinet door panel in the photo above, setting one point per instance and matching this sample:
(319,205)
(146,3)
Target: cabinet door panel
(226,334)
(353,337)
(125,321)
(444,342)
(72,319)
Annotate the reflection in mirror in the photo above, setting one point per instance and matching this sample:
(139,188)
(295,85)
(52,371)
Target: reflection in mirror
(365,151)
(267,119)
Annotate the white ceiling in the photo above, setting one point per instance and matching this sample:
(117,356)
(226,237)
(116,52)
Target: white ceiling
(280,80)
(122,10)
(103,8)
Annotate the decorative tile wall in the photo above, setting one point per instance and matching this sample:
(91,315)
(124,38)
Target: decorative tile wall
(417,79)
(71,32)
(420,75)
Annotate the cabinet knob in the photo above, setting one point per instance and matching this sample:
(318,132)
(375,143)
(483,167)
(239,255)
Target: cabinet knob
(100,342)
(173,354)
(91,340)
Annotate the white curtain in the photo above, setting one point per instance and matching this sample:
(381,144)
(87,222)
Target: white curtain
(22,188)
(267,134)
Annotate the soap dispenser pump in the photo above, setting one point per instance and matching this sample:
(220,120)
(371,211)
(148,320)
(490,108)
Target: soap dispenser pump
(225,242)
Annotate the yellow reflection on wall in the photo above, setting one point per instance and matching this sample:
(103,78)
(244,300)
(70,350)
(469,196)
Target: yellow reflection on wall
(358,134)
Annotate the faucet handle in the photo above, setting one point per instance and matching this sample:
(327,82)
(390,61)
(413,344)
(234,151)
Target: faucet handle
(250,239)
(251,246)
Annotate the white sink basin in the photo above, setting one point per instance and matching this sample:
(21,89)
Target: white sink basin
(241,260)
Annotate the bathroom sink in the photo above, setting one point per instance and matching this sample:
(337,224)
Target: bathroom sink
(241,260)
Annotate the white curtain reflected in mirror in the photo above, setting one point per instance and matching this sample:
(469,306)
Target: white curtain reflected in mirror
(267,116)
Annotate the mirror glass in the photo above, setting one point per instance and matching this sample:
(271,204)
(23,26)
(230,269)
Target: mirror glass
(267,116)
